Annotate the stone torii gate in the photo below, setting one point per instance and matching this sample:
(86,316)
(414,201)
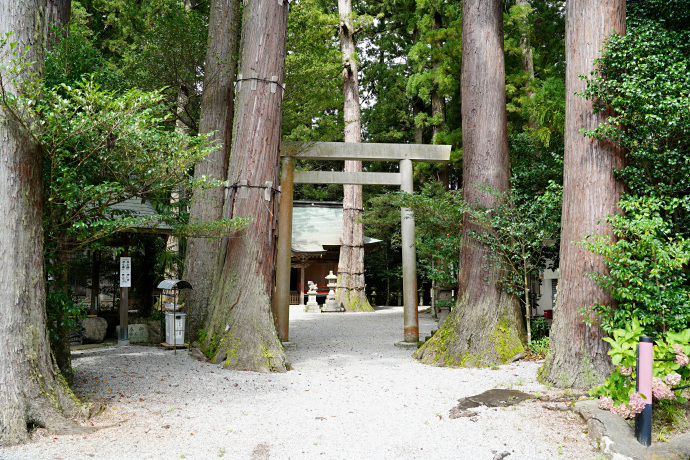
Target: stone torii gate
(403,153)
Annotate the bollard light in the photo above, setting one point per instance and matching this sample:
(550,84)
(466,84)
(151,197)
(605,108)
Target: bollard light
(643,385)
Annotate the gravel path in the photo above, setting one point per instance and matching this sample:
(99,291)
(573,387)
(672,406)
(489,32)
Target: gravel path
(351,395)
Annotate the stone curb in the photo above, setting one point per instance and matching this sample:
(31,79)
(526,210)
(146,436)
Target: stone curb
(616,439)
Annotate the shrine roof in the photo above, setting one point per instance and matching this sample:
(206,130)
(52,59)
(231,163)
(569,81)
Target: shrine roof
(317,227)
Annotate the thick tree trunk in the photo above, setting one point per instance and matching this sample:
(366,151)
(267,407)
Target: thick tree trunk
(578,355)
(350,292)
(217,107)
(242,331)
(31,389)
(57,14)
(485,327)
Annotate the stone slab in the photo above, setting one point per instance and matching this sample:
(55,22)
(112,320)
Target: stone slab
(138,333)
(616,439)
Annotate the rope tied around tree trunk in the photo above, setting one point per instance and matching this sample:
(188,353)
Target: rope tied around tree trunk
(243,185)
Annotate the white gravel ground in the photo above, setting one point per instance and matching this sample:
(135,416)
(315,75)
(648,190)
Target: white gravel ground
(351,395)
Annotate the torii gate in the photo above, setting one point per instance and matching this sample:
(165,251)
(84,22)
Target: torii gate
(405,154)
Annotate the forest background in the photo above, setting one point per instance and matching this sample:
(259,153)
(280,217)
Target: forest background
(409,55)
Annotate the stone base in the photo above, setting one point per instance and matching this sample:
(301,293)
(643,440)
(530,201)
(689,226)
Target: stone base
(312,308)
(407,345)
(137,333)
(332,305)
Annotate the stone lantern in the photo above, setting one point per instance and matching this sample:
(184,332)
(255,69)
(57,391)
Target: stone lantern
(331,304)
(312,306)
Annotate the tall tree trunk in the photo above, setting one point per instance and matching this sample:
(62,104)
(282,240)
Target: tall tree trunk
(57,14)
(350,293)
(31,388)
(485,327)
(217,107)
(578,355)
(242,331)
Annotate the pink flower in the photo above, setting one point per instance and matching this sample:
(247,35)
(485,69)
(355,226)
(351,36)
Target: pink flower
(661,390)
(623,410)
(637,403)
(682,359)
(626,370)
(606,403)
(672,379)
(678,349)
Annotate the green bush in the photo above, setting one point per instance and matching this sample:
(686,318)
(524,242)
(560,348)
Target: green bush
(648,268)
(619,390)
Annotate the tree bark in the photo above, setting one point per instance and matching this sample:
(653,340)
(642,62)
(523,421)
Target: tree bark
(350,292)
(217,107)
(57,14)
(485,327)
(578,356)
(31,389)
(242,331)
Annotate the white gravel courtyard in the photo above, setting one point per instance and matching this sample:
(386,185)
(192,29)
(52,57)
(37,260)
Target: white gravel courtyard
(352,395)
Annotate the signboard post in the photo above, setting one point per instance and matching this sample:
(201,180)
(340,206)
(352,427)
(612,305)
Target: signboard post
(125,284)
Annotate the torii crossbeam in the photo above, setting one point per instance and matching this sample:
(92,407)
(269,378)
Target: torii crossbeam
(403,153)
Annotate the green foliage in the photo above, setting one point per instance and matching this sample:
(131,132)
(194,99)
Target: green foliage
(620,385)
(648,267)
(540,329)
(644,77)
(312,109)
(547,108)
(74,55)
(170,54)
(438,224)
(63,312)
(517,232)
(539,347)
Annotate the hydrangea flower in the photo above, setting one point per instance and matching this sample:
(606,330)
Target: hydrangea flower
(681,357)
(672,379)
(661,390)
(623,410)
(606,403)
(637,403)
(626,370)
